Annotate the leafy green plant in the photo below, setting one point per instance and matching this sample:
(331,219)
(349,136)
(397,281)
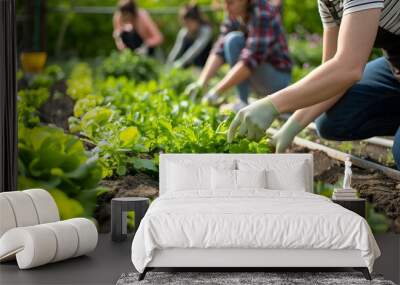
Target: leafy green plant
(323,189)
(84,105)
(306,50)
(118,151)
(50,159)
(346,147)
(153,116)
(80,82)
(301,16)
(177,79)
(130,65)
(29,101)
(378,222)
(46,79)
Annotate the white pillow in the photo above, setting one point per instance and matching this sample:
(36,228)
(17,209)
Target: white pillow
(230,180)
(251,178)
(188,177)
(223,179)
(281,174)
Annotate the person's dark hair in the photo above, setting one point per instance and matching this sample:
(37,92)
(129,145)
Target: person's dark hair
(128,6)
(192,12)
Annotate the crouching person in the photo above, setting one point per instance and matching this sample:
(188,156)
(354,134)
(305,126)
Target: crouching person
(194,40)
(348,96)
(253,43)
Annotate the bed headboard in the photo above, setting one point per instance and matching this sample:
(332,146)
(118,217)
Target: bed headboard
(213,159)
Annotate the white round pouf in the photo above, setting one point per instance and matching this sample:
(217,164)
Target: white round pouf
(45,205)
(67,240)
(6,216)
(87,233)
(33,246)
(23,208)
(31,233)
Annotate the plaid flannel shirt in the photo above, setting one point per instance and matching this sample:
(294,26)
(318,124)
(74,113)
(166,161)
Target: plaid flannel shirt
(265,38)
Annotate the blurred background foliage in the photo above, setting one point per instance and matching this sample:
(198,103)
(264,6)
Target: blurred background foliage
(71,34)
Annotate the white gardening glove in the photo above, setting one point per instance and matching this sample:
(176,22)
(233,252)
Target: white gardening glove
(178,64)
(253,120)
(194,90)
(212,98)
(142,50)
(286,134)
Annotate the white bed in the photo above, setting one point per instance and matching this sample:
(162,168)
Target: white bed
(280,225)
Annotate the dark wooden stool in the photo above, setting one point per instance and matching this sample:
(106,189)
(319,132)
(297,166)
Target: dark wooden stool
(119,209)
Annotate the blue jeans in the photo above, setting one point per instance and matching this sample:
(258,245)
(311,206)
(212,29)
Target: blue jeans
(369,108)
(264,80)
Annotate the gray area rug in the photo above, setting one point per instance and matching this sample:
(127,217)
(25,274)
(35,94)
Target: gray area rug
(243,278)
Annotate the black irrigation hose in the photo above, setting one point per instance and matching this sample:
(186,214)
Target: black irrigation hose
(8,98)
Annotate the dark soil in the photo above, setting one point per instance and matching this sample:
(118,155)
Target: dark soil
(138,185)
(60,86)
(374,185)
(363,149)
(57,110)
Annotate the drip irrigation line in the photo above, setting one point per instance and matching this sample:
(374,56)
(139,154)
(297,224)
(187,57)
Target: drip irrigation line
(341,156)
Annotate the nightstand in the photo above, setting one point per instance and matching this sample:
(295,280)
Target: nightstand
(357,205)
(119,209)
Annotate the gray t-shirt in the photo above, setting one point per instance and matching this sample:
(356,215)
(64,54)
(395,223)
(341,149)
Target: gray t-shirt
(388,37)
(332,11)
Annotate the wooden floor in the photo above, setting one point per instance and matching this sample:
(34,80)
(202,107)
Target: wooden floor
(103,266)
(110,259)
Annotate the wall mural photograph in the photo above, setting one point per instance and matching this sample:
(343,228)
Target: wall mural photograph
(204,142)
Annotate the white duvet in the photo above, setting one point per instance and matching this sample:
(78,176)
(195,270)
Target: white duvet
(250,219)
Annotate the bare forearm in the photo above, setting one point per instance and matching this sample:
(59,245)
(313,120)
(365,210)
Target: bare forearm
(237,74)
(309,114)
(323,83)
(355,40)
(214,62)
(119,43)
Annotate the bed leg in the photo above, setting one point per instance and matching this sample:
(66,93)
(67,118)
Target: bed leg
(364,271)
(143,274)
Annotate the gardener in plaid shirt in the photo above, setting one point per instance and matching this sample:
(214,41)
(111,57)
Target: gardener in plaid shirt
(253,43)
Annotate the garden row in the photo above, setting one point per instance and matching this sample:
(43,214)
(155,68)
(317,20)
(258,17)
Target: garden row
(125,112)
(105,123)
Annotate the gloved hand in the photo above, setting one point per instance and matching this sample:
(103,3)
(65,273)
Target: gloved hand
(178,64)
(253,120)
(142,50)
(286,134)
(194,90)
(211,98)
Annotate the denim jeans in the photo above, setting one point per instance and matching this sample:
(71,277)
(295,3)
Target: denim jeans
(369,108)
(264,80)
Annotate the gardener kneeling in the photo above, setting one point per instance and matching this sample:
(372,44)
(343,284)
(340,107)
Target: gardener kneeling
(135,29)
(352,99)
(252,41)
(194,40)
